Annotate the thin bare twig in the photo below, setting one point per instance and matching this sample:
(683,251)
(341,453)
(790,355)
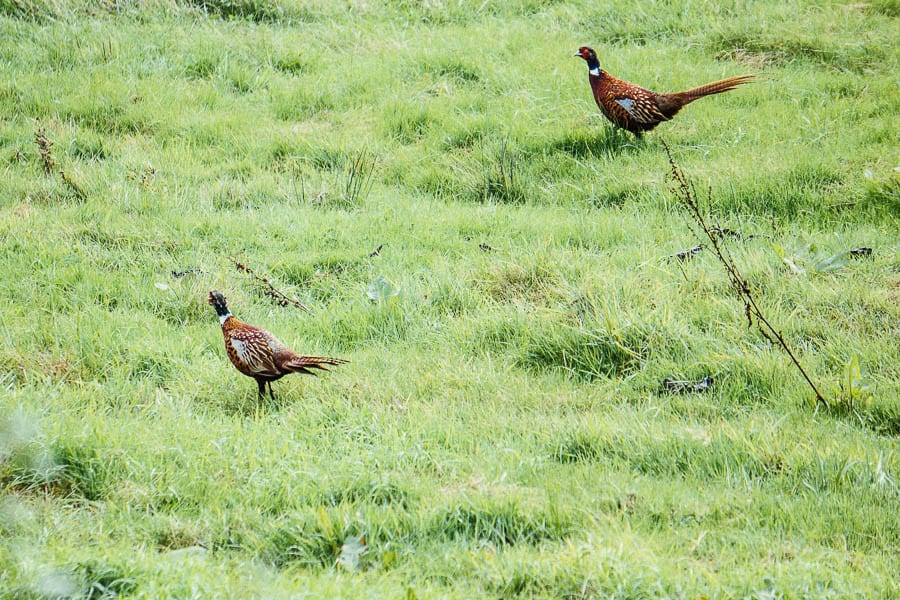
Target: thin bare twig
(280,298)
(684,191)
(73,187)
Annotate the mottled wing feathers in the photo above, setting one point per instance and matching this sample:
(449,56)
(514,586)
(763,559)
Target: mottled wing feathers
(638,104)
(251,351)
(627,105)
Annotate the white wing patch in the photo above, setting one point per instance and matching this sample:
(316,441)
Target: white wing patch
(241,349)
(627,104)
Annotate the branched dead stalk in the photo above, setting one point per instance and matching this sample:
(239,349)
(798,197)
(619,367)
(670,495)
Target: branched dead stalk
(45,149)
(280,298)
(685,192)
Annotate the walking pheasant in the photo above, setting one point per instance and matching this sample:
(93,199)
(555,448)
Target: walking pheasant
(258,354)
(637,109)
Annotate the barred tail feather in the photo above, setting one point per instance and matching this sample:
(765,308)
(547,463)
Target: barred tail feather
(716,87)
(303,364)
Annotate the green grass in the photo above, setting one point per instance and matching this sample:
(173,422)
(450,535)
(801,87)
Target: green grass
(501,430)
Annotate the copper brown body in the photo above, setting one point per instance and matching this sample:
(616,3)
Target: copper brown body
(638,109)
(258,354)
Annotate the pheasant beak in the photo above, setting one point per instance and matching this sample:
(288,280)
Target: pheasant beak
(577,55)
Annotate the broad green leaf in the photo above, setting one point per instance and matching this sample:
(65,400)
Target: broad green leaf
(351,553)
(785,259)
(382,290)
(833,262)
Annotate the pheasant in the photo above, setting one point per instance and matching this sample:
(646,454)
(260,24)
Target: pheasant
(637,109)
(258,354)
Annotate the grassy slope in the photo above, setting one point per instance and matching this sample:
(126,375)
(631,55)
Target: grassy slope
(499,430)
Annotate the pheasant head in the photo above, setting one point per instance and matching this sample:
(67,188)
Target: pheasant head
(217,301)
(590,57)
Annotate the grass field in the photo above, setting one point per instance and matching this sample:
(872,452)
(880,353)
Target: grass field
(501,430)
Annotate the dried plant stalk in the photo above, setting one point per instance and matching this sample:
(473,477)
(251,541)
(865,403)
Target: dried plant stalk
(45,146)
(279,297)
(685,192)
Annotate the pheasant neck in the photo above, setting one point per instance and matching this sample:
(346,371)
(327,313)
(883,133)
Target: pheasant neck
(222,311)
(594,67)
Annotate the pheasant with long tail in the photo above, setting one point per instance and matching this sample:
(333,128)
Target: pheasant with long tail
(258,354)
(637,109)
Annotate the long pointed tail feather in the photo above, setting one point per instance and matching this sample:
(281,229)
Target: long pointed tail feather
(716,87)
(302,364)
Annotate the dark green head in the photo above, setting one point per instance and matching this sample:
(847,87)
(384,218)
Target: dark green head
(217,301)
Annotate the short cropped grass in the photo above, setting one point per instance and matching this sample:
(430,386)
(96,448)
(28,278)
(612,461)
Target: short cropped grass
(434,181)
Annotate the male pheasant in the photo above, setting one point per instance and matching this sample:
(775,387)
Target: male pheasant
(258,354)
(637,109)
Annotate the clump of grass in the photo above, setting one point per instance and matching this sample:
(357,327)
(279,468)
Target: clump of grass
(244,78)
(888,8)
(88,148)
(154,368)
(640,26)
(320,273)
(109,118)
(501,523)
(496,176)
(358,178)
(457,70)
(589,351)
(702,455)
(315,537)
(305,543)
(577,448)
(20,449)
(260,11)
(387,321)
(379,493)
(299,103)
(203,67)
(35,10)
(447,68)
(406,122)
(452,298)
(325,158)
(102,580)
(292,64)
(510,282)
(788,193)
(63,471)
(503,332)
(883,194)
(174,534)
(467,133)
(182,303)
